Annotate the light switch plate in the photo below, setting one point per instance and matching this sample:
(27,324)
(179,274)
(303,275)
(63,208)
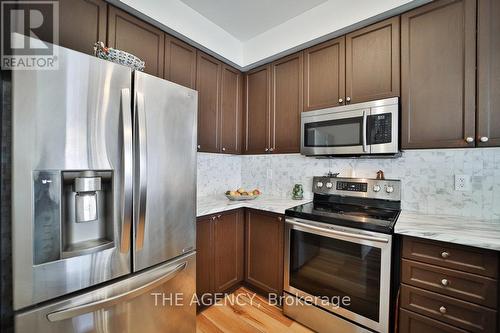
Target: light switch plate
(463,183)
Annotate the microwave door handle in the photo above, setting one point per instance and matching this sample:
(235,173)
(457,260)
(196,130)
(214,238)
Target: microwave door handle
(112,300)
(337,232)
(365,146)
(141,155)
(127,171)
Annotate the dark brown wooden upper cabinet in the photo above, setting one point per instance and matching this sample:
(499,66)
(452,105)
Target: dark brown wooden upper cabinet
(488,72)
(264,250)
(180,62)
(82,23)
(228,250)
(230,110)
(286,101)
(128,33)
(324,75)
(208,79)
(372,62)
(257,110)
(438,57)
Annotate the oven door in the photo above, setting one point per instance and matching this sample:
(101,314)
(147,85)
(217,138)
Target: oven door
(343,270)
(328,132)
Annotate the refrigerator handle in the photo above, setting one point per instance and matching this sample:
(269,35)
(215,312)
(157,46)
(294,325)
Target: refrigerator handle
(127,175)
(111,300)
(141,155)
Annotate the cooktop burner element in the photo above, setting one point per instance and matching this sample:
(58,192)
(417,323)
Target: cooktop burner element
(369,204)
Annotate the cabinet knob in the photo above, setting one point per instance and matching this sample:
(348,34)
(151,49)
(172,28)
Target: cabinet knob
(469,139)
(199,146)
(213,218)
(484,139)
(271,149)
(267,149)
(280,218)
(348,99)
(223,148)
(445,254)
(442,309)
(445,282)
(341,101)
(218,216)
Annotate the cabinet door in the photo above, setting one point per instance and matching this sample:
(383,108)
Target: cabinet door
(438,75)
(128,33)
(372,62)
(324,75)
(488,71)
(230,110)
(257,106)
(204,256)
(228,250)
(208,80)
(82,23)
(286,101)
(180,62)
(264,251)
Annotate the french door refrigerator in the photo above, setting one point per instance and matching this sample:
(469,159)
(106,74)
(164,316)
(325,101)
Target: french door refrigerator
(103,199)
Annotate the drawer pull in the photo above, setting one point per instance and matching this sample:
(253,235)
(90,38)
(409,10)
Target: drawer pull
(445,282)
(442,309)
(445,254)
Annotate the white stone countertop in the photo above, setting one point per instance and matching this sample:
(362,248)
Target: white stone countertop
(218,203)
(453,229)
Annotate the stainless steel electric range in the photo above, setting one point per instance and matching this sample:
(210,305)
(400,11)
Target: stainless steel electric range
(338,252)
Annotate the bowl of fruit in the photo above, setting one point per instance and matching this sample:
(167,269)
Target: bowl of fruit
(242,194)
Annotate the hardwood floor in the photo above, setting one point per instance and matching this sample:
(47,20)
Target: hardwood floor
(243,311)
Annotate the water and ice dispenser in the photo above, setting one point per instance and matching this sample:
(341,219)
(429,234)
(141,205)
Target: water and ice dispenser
(73,213)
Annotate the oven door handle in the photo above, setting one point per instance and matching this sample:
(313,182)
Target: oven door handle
(337,232)
(365,129)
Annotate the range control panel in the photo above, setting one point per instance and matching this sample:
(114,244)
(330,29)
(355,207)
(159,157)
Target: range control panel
(387,189)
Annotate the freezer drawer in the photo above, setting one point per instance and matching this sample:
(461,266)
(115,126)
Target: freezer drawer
(156,300)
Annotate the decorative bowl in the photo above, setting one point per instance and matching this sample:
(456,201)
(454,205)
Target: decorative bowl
(241,197)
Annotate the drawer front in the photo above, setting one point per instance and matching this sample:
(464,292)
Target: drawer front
(464,258)
(465,286)
(411,322)
(464,315)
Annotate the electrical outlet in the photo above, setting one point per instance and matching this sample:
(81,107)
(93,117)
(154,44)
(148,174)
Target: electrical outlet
(269,173)
(462,183)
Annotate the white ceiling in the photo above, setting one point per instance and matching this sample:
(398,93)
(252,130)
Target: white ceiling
(246,33)
(245,19)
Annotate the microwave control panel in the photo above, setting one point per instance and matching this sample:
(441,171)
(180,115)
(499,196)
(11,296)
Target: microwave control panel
(380,128)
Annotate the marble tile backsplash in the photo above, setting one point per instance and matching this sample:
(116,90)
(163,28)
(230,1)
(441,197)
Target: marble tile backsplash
(428,177)
(217,173)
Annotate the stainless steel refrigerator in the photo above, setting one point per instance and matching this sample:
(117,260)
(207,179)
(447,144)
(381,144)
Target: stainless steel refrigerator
(103,199)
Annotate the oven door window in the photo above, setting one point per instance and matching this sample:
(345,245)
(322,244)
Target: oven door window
(334,133)
(332,268)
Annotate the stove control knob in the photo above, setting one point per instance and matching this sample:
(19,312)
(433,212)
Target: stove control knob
(329,185)
(376,188)
(389,189)
(319,184)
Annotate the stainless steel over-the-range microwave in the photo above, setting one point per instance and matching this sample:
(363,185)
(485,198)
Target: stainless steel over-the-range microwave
(369,128)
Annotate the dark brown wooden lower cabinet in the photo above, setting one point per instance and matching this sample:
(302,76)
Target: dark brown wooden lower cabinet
(204,255)
(264,251)
(219,246)
(228,250)
(410,322)
(469,316)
